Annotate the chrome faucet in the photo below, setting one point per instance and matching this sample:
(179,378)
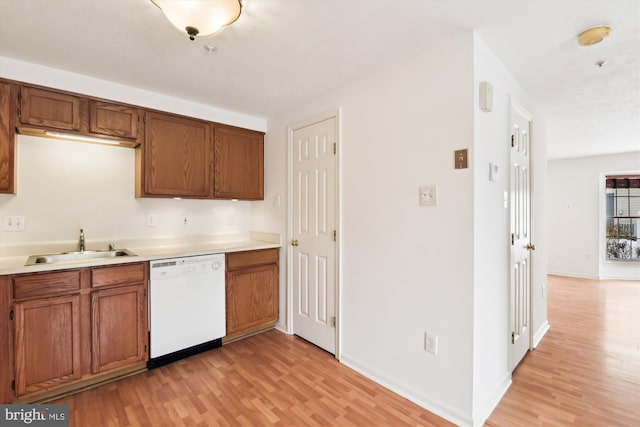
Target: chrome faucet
(81,240)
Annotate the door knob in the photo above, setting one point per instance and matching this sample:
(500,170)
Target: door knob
(531,247)
(294,242)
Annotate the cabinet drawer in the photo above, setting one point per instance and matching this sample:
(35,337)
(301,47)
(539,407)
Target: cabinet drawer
(251,258)
(123,274)
(45,284)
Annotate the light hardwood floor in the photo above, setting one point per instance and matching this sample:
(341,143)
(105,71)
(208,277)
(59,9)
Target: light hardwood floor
(586,372)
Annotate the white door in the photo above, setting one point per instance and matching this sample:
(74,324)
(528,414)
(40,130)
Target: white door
(313,236)
(520,228)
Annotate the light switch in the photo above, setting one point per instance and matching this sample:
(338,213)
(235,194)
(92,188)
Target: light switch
(494,172)
(428,195)
(460,159)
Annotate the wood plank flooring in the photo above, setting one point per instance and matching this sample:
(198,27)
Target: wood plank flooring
(586,372)
(270,379)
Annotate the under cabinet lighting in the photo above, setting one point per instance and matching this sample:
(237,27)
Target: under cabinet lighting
(81,138)
(73,137)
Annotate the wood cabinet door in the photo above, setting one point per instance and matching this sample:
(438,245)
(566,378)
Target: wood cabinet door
(7,140)
(177,157)
(238,164)
(252,297)
(50,109)
(106,118)
(118,327)
(47,343)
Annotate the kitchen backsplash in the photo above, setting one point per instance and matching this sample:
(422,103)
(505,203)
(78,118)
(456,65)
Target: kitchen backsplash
(65,185)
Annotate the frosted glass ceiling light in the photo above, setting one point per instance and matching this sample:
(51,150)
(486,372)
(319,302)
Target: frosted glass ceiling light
(202,18)
(593,35)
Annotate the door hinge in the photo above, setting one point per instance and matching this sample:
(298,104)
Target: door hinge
(20,112)
(11,315)
(513,239)
(513,337)
(335,235)
(144,293)
(144,119)
(335,148)
(513,140)
(19,96)
(13,384)
(333,321)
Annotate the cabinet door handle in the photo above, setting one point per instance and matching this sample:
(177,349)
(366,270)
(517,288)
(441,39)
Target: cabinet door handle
(294,242)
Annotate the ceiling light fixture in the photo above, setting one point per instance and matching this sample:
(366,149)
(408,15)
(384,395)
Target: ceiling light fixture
(202,18)
(593,35)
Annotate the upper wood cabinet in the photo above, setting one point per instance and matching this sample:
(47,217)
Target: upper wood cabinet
(50,109)
(7,139)
(176,157)
(106,118)
(238,164)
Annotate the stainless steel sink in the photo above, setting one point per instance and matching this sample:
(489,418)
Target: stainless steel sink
(77,256)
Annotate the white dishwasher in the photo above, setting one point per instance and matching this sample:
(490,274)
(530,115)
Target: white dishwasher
(186,307)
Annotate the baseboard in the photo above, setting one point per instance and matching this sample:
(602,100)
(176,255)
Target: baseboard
(479,420)
(577,276)
(540,333)
(282,328)
(409,393)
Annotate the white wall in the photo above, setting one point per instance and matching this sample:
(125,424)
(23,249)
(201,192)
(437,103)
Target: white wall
(26,72)
(405,269)
(491,229)
(575,210)
(63,186)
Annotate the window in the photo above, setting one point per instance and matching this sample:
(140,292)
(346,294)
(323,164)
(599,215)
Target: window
(623,217)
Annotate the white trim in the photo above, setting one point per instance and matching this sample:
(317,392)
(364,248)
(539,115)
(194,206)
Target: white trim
(442,410)
(479,421)
(611,269)
(515,105)
(577,276)
(282,328)
(317,118)
(540,333)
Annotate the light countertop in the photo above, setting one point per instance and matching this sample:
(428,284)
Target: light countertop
(146,250)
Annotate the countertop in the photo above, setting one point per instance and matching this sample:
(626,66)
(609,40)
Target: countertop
(145,250)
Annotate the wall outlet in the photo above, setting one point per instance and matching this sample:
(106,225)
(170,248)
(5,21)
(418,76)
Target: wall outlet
(428,195)
(13,223)
(431,343)
(185,221)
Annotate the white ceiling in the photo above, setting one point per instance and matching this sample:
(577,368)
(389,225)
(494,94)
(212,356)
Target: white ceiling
(283,52)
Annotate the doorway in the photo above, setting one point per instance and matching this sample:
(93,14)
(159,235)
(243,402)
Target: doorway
(520,235)
(313,230)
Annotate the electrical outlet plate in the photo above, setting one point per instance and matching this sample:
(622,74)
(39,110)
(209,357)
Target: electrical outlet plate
(13,223)
(428,195)
(431,343)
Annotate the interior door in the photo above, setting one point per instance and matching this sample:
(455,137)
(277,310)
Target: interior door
(520,228)
(313,238)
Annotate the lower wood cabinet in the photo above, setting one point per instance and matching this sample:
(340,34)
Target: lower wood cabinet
(251,292)
(118,330)
(47,343)
(74,328)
